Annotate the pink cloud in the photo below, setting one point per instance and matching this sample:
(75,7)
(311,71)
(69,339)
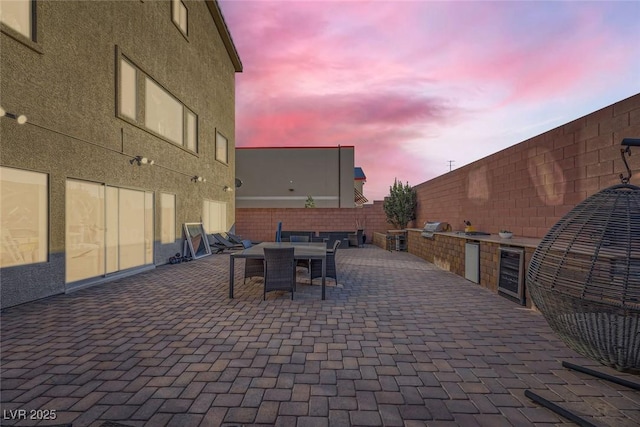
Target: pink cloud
(399,79)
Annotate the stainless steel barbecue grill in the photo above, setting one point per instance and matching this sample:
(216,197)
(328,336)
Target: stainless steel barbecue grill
(434,227)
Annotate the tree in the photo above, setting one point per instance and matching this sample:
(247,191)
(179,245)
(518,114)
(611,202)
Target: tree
(310,203)
(400,205)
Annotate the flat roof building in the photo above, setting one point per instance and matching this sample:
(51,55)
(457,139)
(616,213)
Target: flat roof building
(287,177)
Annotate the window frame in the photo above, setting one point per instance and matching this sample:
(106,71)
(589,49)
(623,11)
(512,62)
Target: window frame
(30,41)
(45,209)
(221,206)
(141,100)
(181,133)
(172,232)
(122,60)
(32,20)
(180,6)
(226,140)
(110,228)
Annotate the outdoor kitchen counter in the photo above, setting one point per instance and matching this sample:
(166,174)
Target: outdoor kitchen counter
(524,242)
(447,250)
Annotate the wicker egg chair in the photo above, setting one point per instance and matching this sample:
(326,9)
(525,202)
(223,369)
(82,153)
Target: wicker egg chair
(585,277)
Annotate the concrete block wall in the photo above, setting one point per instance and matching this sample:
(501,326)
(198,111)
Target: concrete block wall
(528,187)
(448,253)
(444,251)
(260,223)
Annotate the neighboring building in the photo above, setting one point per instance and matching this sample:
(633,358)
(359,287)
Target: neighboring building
(130,133)
(360,179)
(285,177)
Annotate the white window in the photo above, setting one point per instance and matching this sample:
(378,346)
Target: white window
(192,130)
(214,216)
(167,218)
(163,113)
(18,14)
(222,148)
(108,229)
(24,213)
(179,15)
(128,90)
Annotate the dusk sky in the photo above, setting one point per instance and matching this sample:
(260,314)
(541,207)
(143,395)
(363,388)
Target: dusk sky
(414,84)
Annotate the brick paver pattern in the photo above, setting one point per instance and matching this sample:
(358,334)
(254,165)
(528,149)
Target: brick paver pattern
(397,342)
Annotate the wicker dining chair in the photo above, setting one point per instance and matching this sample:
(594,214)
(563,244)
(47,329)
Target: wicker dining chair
(305,263)
(584,277)
(331,270)
(279,270)
(253,268)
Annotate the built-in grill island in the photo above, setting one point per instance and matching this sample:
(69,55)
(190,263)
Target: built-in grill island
(491,261)
(434,227)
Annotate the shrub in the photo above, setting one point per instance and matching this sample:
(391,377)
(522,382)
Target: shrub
(400,205)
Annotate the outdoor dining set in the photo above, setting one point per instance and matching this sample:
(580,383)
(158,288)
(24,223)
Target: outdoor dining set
(277,262)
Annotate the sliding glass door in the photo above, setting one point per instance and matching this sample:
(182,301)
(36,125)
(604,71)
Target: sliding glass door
(108,229)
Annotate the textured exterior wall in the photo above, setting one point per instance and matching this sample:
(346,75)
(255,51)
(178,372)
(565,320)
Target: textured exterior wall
(65,83)
(284,177)
(261,223)
(528,187)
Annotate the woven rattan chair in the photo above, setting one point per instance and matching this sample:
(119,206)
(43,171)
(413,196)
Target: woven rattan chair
(331,270)
(305,263)
(253,268)
(355,239)
(279,270)
(585,277)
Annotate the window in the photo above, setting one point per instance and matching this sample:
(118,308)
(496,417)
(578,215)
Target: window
(85,236)
(164,114)
(222,149)
(214,216)
(128,79)
(167,218)
(24,210)
(192,131)
(179,15)
(18,15)
(108,229)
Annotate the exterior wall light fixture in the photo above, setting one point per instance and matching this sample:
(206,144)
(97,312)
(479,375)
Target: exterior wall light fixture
(21,119)
(198,179)
(140,161)
(227,189)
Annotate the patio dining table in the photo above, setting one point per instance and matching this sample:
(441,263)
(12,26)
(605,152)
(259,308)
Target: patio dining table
(302,250)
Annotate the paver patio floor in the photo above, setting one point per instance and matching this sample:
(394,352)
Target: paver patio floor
(397,342)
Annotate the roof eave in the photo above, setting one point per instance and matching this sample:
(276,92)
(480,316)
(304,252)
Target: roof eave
(218,18)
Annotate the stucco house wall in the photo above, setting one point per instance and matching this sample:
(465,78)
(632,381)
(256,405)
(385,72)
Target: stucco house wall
(66,82)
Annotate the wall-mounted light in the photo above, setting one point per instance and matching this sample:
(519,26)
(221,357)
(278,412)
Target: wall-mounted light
(21,119)
(227,189)
(197,179)
(140,161)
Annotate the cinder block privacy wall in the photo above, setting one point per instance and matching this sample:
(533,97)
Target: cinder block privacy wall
(528,187)
(260,223)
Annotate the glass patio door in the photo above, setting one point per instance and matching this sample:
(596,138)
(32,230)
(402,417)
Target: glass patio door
(109,229)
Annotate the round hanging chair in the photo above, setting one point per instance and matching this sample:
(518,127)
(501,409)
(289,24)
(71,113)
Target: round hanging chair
(585,277)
